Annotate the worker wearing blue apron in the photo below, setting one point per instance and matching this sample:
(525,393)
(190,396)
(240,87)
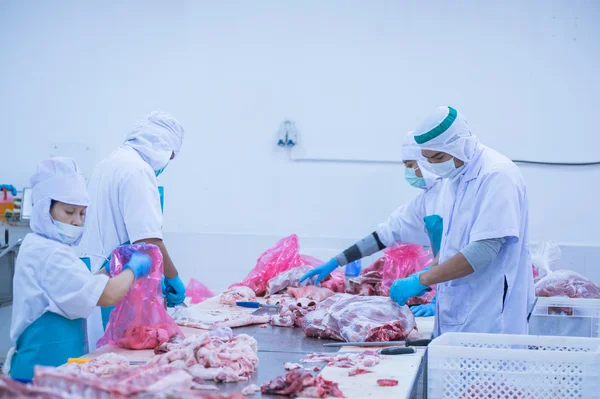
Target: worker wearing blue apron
(418,222)
(54,291)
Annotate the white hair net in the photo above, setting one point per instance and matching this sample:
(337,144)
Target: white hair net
(411,151)
(155,137)
(445,130)
(55,179)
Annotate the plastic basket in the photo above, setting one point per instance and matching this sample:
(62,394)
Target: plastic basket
(497,366)
(567,317)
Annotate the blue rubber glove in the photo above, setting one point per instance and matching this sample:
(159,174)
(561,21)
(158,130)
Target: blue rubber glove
(427,310)
(406,288)
(322,271)
(139,265)
(10,188)
(174,291)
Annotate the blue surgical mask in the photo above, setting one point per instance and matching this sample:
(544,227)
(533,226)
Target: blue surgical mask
(68,233)
(158,172)
(447,169)
(412,178)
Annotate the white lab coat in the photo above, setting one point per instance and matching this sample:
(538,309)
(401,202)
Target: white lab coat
(125,207)
(488,201)
(49,277)
(406,224)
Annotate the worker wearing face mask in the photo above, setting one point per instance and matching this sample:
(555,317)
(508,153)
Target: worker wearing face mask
(54,292)
(484,280)
(418,222)
(125,203)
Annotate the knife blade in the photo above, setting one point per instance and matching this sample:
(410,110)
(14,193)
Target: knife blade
(416,342)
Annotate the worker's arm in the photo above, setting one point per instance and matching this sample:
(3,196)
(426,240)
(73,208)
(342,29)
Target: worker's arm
(116,288)
(169,267)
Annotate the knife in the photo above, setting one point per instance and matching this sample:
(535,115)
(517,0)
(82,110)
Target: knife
(397,351)
(256,305)
(416,342)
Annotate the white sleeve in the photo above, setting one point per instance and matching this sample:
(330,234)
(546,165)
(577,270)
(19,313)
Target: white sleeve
(405,225)
(497,208)
(70,286)
(139,203)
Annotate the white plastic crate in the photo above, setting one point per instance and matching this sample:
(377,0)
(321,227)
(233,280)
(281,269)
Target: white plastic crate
(503,366)
(568,317)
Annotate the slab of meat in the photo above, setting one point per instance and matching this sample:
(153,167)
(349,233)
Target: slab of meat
(283,256)
(302,383)
(10,388)
(286,279)
(292,311)
(346,360)
(311,292)
(387,383)
(106,364)
(352,318)
(212,357)
(336,282)
(237,294)
(568,284)
(244,320)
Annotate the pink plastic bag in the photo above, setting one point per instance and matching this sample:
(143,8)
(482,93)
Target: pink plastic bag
(139,320)
(283,256)
(567,283)
(401,262)
(197,291)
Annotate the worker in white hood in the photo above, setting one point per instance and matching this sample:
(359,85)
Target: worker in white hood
(417,222)
(484,279)
(54,292)
(125,203)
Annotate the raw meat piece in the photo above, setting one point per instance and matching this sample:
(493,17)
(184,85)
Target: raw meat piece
(348,360)
(286,279)
(283,256)
(10,388)
(352,318)
(244,320)
(144,337)
(302,383)
(387,383)
(358,371)
(336,282)
(291,366)
(292,311)
(250,390)
(567,283)
(139,320)
(213,357)
(311,292)
(237,294)
(107,364)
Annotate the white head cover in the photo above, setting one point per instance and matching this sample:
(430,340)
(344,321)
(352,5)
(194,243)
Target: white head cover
(55,179)
(445,130)
(411,151)
(155,137)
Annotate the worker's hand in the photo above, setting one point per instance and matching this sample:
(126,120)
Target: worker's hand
(10,188)
(406,288)
(174,291)
(322,271)
(427,310)
(139,265)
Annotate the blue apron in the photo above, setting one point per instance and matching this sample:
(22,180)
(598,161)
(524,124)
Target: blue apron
(107,310)
(49,341)
(434,225)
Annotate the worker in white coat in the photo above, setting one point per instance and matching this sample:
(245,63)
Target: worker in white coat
(54,292)
(126,206)
(417,222)
(484,280)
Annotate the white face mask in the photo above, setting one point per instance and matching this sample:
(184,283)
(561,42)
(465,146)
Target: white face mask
(446,170)
(68,233)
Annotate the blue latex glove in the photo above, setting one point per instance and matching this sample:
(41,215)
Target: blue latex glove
(322,271)
(427,310)
(139,265)
(174,291)
(406,288)
(10,188)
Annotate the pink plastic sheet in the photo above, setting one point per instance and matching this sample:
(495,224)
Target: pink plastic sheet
(197,291)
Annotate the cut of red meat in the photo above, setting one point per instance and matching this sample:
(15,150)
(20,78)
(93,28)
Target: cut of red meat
(302,383)
(336,282)
(144,337)
(311,292)
(567,283)
(387,383)
(352,318)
